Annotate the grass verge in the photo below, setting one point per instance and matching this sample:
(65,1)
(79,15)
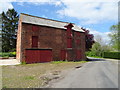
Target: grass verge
(31,75)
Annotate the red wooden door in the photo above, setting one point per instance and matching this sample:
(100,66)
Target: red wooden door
(37,55)
(32,56)
(34,41)
(45,55)
(63,54)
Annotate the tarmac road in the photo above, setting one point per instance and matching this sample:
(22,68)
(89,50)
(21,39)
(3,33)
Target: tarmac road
(97,73)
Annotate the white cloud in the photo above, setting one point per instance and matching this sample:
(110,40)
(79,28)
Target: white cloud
(90,11)
(7,4)
(38,2)
(58,3)
(101,37)
(90,1)
(4,6)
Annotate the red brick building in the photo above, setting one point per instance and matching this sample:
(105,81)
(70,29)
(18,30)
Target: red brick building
(43,40)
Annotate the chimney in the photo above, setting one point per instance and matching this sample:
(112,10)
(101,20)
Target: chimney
(69,26)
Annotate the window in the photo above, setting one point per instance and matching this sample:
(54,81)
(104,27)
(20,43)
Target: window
(34,41)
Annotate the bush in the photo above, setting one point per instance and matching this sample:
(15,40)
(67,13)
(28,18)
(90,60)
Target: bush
(114,55)
(90,54)
(23,63)
(8,54)
(12,54)
(4,54)
(93,54)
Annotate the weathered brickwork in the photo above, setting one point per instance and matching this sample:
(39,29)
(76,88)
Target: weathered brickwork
(49,37)
(18,47)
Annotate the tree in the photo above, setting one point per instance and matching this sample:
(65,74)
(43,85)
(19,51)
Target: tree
(105,45)
(98,50)
(99,39)
(89,38)
(0,32)
(115,36)
(9,30)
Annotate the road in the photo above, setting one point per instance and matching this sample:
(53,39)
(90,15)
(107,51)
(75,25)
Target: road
(97,73)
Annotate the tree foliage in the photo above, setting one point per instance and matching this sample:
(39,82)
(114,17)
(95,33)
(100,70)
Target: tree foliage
(98,49)
(89,38)
(9,29)
(115,36)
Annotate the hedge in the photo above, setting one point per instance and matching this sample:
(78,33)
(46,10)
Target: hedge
(8,54)
(113,55)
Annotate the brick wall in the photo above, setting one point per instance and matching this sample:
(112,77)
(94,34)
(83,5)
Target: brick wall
(48,37)
(18,46)
(78,44)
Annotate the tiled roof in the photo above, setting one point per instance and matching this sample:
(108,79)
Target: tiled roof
(46,22)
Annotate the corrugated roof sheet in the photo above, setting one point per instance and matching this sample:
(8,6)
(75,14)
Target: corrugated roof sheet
(47,22)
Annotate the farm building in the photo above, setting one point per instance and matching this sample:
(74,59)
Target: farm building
(43,40)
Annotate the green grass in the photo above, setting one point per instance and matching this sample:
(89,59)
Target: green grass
(4,86)
(95,56)
(23,63)
(102,57)
(29,77)
(57,62)
(82,61)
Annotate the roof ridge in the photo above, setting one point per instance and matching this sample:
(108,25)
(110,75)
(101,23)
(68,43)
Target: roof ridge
(46,18)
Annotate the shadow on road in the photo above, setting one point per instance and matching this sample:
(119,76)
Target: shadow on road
(95,59)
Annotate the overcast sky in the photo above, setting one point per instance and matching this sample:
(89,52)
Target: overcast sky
(95,15)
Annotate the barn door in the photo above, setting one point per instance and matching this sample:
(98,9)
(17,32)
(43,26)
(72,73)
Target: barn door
(32,56)
(45,55)
(38,55)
